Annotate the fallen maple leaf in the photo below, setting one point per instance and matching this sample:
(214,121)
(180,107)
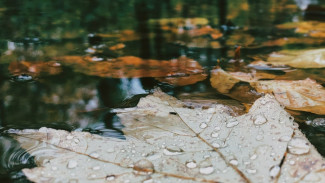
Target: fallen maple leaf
(166,142)
(299,58)
(301,95)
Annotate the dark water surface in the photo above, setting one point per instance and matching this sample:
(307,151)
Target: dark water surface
(64,98)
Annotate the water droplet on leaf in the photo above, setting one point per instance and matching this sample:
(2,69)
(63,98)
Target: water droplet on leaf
(298,146)
(206,170)
(72,164)
(231,123)
(259,119)
(191,164)
(203,125)
(143,167)
(274,171)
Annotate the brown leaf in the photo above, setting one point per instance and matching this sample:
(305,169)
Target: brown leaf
(178,71)
(302,95)
(34,68)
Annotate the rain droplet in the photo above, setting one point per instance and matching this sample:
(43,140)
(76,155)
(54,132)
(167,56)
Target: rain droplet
(96,167)
(259,119)
(251,171)
(148,181)
(285,138)
(215,144)
(203,125)
(191,164)
(72,164)
(214,134)
(110,177)
(231,123)
(217,128)
(94,154)
(298,146)
(259,137)
(172,150)
(143,167)
(69,137)
(254,156)
(274,171)
(233,162)
(206,170)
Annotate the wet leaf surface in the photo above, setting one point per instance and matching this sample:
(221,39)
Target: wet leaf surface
(167,142)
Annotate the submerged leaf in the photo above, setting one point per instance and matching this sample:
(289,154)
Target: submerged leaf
(135,67)
(166,142)
(311,28)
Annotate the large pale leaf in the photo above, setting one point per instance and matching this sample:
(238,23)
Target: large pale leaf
(166,142)
(301,95)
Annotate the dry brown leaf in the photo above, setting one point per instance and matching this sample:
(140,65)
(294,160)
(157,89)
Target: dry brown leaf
(224,81)
(302,95)
(299,58)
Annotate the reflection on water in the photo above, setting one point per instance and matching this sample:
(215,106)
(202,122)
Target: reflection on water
(36,91)
(12,160)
